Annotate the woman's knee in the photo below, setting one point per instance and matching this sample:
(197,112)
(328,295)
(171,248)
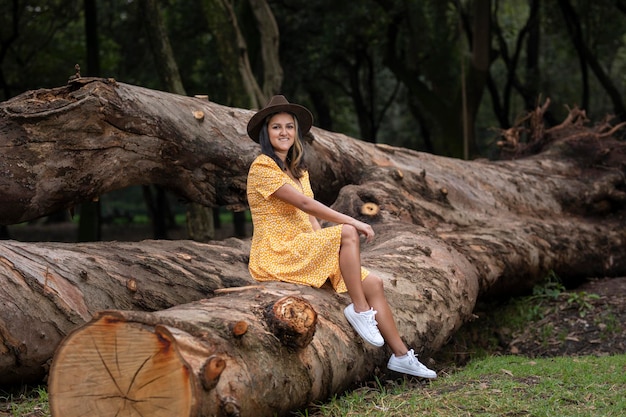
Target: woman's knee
(349,234)
(373,284)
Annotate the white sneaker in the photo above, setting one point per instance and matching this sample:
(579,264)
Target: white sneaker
(408,364)
(365,325)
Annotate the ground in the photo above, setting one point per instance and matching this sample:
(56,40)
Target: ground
(587,320)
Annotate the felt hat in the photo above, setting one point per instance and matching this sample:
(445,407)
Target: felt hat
(279,104)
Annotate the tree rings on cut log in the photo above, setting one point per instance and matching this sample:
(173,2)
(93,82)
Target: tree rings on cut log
(111,367)
(292,320)
(370,209)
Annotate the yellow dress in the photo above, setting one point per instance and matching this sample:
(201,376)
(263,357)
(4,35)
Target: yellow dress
(284,245)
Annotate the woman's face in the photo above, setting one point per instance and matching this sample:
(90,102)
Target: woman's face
(281,129)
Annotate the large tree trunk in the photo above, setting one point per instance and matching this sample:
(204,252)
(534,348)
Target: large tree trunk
(269,368)
(448,231)
(48,289)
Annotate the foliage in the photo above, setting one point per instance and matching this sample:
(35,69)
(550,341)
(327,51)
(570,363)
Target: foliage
(336,58)
(386,71)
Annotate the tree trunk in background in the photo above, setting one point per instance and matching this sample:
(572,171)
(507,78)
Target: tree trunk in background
(164,61)
(586,57)
(478,70)
(157,210)
(268,30)
(532,84)
(244,89)
(448,232)
(90,224)
(200,223)
(199,218)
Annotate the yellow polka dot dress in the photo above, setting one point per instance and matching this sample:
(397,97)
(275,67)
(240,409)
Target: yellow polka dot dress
(284,245)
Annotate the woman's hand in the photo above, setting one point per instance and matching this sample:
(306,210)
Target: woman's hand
(364,229)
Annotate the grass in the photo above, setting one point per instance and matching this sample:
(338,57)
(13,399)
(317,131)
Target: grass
(497,386)
(31,402)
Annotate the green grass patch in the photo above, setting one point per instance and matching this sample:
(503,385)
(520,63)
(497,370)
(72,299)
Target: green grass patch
(27,402)
(498,386)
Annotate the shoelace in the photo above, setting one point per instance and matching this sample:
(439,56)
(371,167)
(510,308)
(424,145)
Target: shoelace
(411,356)
(371,318)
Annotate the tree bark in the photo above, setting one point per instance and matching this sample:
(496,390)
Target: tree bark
(48,289)
(233,53)
(448,232)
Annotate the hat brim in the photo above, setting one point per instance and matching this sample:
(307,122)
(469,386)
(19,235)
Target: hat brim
(304,116)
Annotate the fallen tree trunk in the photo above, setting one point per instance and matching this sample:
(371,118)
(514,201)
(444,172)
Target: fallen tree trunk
(182,361)
(213,370)
(448,231)
(48,289)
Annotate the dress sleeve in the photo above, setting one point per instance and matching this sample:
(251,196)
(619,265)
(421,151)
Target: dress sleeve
(265,177)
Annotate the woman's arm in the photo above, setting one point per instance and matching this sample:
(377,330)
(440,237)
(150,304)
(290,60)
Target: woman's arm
(312,207)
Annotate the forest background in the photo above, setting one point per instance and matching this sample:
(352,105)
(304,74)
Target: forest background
(444,77)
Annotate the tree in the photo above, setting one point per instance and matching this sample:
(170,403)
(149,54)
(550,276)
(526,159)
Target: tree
(200,224)
(449,231)
(90,227)
(587,58)
(29,37)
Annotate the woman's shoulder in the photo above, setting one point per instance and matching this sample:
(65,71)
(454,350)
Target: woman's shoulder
(263,159)
(264,164)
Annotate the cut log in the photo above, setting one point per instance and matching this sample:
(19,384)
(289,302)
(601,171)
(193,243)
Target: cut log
(186,361)
(131,372)
(448,231)
(48,289)
(292,320)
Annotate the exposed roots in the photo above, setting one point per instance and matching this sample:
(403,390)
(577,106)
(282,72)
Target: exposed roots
(529,135)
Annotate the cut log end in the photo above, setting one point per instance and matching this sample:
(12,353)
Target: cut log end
(370,209)
(239,328)
(211,371)
(292,320)
(112,367)
(198,115)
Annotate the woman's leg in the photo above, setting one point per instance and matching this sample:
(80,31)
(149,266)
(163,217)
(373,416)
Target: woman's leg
(350,265)
(369,292)
(375,295)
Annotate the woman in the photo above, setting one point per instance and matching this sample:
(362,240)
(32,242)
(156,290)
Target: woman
(288,243)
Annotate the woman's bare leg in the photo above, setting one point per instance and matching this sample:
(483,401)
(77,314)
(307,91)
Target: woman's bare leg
(375,295)
(369,292)
(350,265)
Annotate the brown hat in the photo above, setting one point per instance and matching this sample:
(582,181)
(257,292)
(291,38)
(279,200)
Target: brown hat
(279,104)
